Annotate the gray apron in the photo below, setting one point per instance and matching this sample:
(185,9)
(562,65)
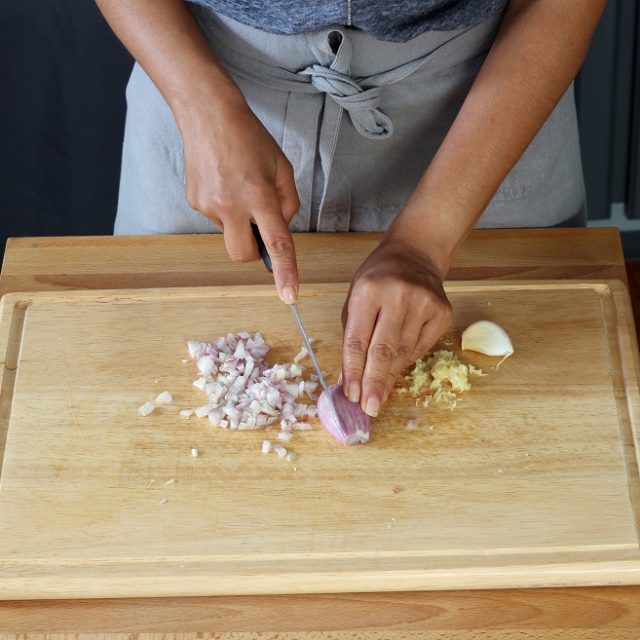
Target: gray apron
(359,119)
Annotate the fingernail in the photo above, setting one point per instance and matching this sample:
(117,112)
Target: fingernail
(373,407)
(354,392)
(289,294)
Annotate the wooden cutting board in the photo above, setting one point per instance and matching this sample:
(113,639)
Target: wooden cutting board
(531,481)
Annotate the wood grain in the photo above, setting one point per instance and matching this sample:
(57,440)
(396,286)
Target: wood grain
(366,634)
(559,613)
(633,275)
(571,614)
(526,483)
(36,264)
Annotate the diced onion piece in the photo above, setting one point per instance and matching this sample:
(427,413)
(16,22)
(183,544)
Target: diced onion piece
(266,446)
(203,411)
(280,450)
(194,453)
(195,348)
(210,388)
(290,457)
(273,397)
(200,383)
(285,436)
(164,398)
(356,424)
(146,408)
(186,413)
(232,412)
(411,424)
(310,387)
(206,364)
(300,410)
(243,391)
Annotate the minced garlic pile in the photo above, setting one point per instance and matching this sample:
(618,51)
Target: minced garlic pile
(440,376)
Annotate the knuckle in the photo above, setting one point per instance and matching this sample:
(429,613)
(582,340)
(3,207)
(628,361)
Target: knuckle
(235,256)
(355,346)
(292,206)
(288,166)
(366,285)
(403,351)
(279,246)
(382,351)
(261,195)
(352,373)
(376,381)
(219,202)
(446,312)
(401,290)
(196,201)
(238,254)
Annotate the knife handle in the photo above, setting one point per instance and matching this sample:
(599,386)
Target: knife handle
(264,254)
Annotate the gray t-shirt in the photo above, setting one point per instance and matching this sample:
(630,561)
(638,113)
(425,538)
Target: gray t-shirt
(391,20)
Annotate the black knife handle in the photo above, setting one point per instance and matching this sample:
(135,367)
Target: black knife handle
(264,254)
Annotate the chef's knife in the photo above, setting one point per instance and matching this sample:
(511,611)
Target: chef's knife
(266,258)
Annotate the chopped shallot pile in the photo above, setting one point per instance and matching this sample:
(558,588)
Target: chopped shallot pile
(243,391)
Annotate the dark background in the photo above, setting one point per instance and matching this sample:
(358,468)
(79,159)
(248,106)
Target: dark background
(63,75)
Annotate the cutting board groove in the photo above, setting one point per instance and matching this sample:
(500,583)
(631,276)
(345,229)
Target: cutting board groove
(532,481)
(9,363)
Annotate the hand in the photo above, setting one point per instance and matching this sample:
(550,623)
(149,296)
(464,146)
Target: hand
(395,312)
(235,174)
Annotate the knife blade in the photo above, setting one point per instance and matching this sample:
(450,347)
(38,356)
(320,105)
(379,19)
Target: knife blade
(266,258)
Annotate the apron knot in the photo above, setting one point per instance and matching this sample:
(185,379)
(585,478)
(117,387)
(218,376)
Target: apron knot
(361,103)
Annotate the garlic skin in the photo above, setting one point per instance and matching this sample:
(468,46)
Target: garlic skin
(488,338)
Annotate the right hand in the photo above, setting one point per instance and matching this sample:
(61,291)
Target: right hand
(235,174)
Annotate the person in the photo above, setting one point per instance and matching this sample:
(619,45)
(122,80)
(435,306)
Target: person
(421,119)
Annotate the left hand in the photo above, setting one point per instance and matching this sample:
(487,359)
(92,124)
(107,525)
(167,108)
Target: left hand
(395,311)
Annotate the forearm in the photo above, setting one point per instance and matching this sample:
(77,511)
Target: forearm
(163,36)
(536,54)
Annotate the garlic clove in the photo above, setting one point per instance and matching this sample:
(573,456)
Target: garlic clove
(488,338)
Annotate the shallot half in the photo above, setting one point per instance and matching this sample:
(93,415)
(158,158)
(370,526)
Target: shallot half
(355,422)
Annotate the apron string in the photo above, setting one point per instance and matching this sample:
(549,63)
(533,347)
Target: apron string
(320,120)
